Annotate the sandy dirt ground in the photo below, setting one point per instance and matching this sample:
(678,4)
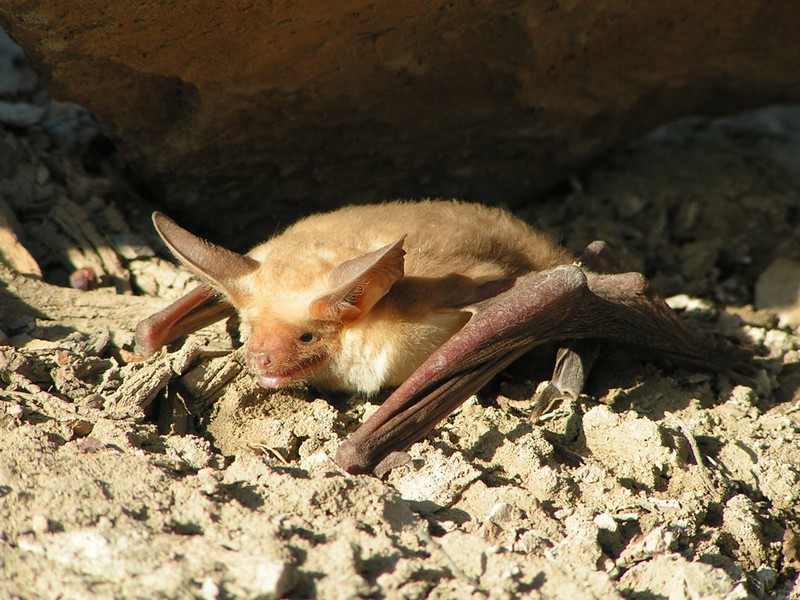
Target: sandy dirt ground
(178,477)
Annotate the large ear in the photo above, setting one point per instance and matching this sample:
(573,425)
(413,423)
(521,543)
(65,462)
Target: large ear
(359,283)
(217,265)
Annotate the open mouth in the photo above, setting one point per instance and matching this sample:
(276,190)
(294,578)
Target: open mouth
(290,376)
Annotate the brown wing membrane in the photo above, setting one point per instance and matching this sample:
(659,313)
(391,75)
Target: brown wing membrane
(564,303)
(197,309)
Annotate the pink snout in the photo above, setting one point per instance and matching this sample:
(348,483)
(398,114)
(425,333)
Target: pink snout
(258,361)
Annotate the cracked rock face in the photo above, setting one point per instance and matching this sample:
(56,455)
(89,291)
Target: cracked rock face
(274,109)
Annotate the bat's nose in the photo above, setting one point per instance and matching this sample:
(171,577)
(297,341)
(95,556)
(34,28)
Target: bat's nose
(258,361)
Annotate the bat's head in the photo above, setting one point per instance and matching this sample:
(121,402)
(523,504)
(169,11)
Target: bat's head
(280,353)
(289,336)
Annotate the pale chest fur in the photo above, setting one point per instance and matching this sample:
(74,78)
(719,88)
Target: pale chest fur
(381,353)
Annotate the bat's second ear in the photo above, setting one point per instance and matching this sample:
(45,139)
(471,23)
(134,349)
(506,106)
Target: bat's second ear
(359,283)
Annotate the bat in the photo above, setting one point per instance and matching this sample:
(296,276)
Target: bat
(433,298)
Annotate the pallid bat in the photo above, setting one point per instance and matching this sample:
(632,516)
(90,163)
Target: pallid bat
(434,297)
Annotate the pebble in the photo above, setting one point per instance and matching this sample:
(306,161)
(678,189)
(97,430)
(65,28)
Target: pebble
(778,288)
(40,524)
(20,114)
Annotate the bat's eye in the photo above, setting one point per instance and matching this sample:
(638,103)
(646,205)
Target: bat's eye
(307,337)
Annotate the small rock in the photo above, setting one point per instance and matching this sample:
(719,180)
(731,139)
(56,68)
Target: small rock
(20,114)
(209,480)
(502,512)
(744,396)
(778,288)
(543,483)
(581,545)
(758,318)
(192,450)
(436,482)
(83,279)
(779,342)
(532,542)
(524,454)
(688,303)
(740,520)
(40,524)
(662,575)
(15,410)
(791,549)
(257,576)
(318,464)
(606,521)
(79,428)
(209,590)
(660,540)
